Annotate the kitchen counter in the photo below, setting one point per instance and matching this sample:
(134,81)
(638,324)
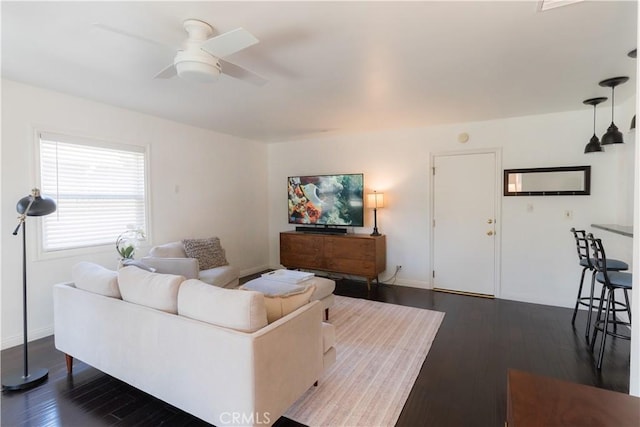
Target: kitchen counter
(625,230)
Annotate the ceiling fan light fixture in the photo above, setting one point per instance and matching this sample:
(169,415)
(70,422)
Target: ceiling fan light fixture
(197,67)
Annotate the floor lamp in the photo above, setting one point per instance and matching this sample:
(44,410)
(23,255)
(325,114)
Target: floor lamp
(31,205)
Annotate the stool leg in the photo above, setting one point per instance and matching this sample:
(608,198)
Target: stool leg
(575,310)
(605,329)
(626,299)
(593,285)
(595,329)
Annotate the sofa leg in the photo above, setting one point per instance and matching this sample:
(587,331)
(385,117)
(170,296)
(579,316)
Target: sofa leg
(69,360)
(326,314)
(315,384)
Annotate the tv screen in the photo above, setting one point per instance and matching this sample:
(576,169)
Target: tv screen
(326,200)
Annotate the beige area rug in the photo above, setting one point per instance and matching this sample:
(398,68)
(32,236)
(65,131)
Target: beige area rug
(380,350)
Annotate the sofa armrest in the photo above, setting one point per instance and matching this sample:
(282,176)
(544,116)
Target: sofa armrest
(187,267)
(287,358)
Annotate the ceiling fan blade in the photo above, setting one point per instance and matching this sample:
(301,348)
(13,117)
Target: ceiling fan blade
(238,72)
(229,42)
(167,72)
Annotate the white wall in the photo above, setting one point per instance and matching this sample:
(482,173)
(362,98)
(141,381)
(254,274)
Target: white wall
(539,261)
(220,179)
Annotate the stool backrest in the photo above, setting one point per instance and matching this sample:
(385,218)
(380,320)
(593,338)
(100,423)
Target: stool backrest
(582,245)
(599,257)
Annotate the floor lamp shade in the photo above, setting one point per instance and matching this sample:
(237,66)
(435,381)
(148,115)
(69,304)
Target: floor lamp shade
(35,204)
(32,205)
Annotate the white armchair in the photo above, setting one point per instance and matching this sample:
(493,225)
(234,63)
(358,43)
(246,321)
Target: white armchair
(171,258)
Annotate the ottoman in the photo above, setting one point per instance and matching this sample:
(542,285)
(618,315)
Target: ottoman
(323,292)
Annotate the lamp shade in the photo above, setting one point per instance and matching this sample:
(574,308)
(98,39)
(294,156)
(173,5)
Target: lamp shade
(35,204)
(593,146)
(375,200)
(612,136)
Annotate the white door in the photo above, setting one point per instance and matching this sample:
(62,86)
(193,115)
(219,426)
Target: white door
(464,223)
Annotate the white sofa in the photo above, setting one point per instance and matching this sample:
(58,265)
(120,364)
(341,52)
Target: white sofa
(217,358)
(171,258)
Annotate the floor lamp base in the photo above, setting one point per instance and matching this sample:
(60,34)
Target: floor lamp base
(20,382)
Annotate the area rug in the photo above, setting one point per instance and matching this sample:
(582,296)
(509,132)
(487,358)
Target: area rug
(380,350)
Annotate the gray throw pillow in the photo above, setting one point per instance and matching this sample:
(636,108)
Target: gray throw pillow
(208,252)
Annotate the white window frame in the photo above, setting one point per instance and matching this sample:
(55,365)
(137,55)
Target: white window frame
(68,137)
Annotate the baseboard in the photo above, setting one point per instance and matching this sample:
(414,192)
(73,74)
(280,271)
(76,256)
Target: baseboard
(36,334)
(420,284)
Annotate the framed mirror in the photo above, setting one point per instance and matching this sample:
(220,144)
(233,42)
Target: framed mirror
(558,181)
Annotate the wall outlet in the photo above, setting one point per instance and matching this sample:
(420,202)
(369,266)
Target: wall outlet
(398,267)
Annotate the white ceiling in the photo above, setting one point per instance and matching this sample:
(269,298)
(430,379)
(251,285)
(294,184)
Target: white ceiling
(333,67)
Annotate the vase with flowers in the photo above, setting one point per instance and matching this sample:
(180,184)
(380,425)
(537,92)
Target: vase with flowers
(128,242)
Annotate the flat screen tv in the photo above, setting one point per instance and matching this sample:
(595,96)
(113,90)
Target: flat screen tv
(329,200)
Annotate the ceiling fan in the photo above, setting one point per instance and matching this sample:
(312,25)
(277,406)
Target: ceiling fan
(200,58)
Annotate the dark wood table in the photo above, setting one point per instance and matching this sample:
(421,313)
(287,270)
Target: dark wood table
(533,400)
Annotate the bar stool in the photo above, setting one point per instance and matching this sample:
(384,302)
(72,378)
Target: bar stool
(611,281)
(586,263)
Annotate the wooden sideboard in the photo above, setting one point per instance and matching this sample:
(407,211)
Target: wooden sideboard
(533,401)
(356,254)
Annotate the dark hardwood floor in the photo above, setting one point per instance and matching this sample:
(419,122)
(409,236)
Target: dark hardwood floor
(461,383)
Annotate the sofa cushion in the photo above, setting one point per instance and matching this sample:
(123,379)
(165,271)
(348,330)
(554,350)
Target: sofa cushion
(280,298)
(280,306)
(220,276)
(168,250)
(95,278)
(230,308)
(137,263)
(155,290)
(209,252)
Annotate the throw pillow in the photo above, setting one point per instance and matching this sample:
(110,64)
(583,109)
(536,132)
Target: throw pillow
(155,290)
(208,252)
(168,250)
(229,308)
(95,278)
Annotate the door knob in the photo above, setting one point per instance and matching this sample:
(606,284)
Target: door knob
(489,233)
(489,221)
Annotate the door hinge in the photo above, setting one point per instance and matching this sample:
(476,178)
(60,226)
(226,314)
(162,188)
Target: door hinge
(434,222)
(434,170)
(433,273)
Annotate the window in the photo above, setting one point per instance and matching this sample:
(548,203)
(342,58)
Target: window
(99,189)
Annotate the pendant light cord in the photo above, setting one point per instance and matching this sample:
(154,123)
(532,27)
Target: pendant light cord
(613,101)
(594,119)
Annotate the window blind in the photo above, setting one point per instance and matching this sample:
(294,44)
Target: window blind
(99,191)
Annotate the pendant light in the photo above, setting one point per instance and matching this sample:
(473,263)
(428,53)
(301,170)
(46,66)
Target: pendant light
(594,144)
(613,135)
